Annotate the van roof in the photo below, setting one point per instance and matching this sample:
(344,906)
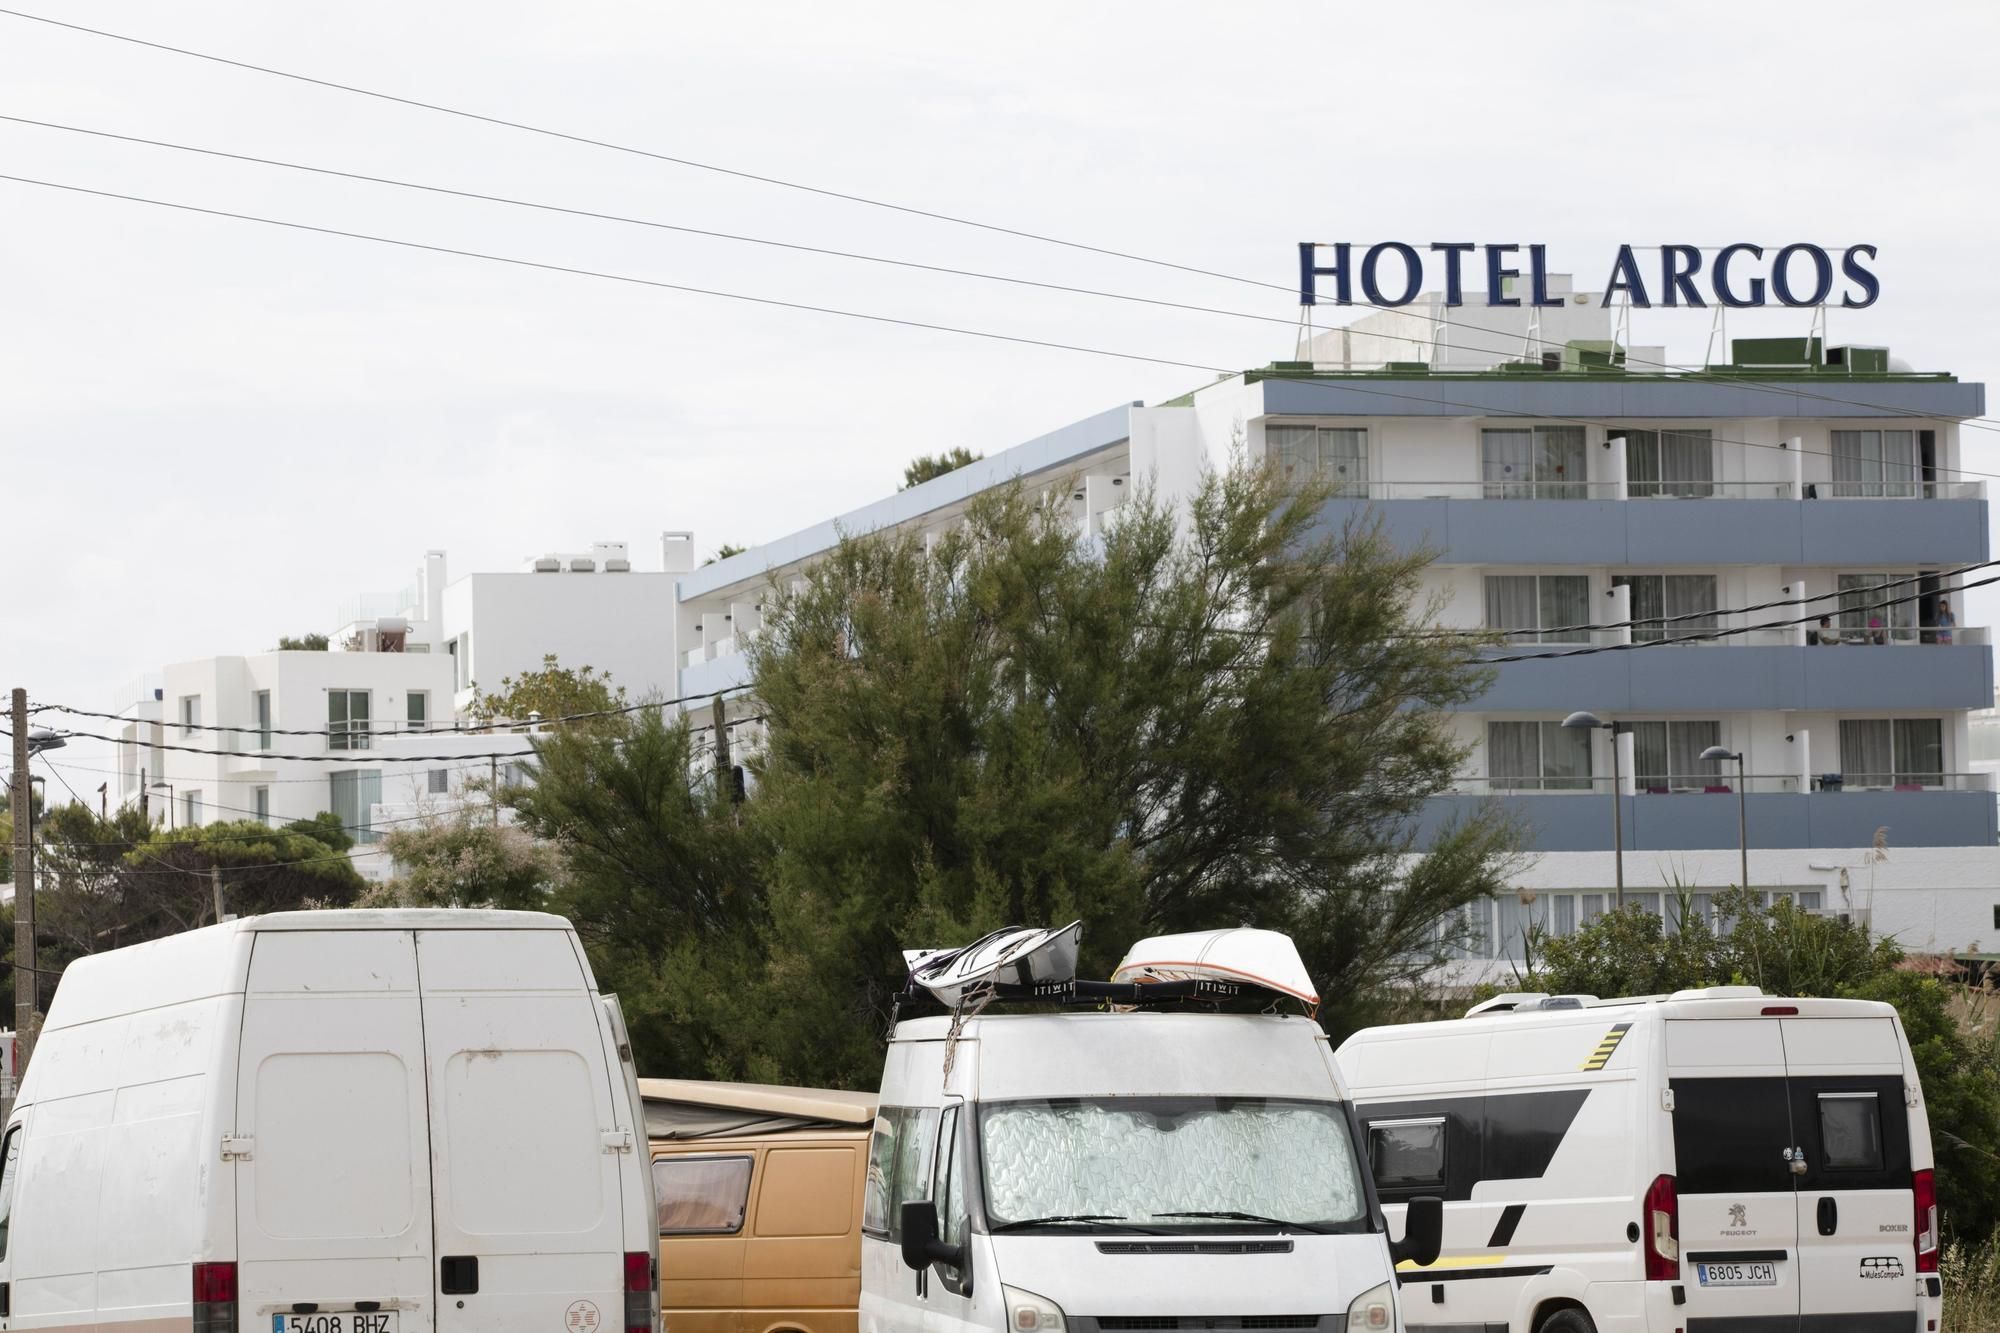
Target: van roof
(683,1108)
(402,918)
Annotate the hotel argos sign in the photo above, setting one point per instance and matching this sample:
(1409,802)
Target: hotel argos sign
(1392,273)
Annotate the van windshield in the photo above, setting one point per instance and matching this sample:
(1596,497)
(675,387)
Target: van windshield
(1181,1163)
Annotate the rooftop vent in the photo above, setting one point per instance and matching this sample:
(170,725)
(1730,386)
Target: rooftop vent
(547,564)
(582,564)
(617,566)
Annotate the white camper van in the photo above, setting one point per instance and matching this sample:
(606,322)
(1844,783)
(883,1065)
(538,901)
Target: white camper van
(1134,1171)
(1711,1160)
(331,1122)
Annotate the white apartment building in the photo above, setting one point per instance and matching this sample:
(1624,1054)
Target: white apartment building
(1567,481)
(388,708)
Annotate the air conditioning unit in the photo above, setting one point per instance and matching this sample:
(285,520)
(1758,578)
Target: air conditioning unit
(548,564)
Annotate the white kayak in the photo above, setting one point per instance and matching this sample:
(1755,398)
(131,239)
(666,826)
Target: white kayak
(1263,958)
(1016,956)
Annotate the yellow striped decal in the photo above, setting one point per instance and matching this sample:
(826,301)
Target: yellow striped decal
(1452,1263)
(1602,1055)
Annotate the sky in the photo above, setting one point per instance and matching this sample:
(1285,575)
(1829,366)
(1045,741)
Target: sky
(216,431)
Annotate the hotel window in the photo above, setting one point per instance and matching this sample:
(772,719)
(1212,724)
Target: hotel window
(261,702)
(1875,463)
(1861,598)
(1678,464)
(1880,752)
(352,795)
(1537,756)
(1657,597)
(1666,755)
(1467,932)
(190,713)
(440,781)
(1539,608)
(416,710)
(1533,463)
(261,800)
(347,720)
(1339,455)
(1519,920)
(190,809)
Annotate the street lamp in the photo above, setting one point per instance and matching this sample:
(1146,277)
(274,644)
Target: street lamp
(1719,753)
(168,788)
(1593,722)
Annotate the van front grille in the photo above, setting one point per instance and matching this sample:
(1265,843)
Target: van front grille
(1247,1323)
(1194,1247)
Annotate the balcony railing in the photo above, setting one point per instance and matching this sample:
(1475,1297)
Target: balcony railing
(1699,784)
(1909,636)
(1459,488)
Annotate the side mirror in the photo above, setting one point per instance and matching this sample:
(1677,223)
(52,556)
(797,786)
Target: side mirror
(921,1246)
(1423,1232)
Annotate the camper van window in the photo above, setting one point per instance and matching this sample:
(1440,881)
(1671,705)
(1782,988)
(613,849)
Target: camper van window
(950,1180)
(1407,1154)
(1850,1131)
(1131,1160)
(701,1196)
(10,1176)
(899,1159)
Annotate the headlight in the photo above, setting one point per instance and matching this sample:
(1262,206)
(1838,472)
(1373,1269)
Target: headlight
(1029,1313)
(1374,1309)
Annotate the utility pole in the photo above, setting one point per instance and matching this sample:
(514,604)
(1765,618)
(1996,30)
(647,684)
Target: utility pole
(493,786)
(24,893)
(145,817)
(725,781)
(215,883)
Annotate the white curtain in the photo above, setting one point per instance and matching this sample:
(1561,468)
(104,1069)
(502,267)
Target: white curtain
(1867,752)
(1687,463)
(1514,755)
(1651,767)
(1685,742)
(1565,601)
(1344,457)
(1559,463)
(1565,758)
(1294,450)
(1920,751)
(1691,595)
(1507,463)
(1510,603)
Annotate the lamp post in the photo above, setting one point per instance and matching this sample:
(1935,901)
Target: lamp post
(1718,753)
(1593,722)
(168,788)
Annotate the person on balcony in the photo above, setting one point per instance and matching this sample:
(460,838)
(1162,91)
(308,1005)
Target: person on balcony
(1827,634)
(1946,621)
(1877,632)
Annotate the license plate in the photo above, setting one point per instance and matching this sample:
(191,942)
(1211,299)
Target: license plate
(336,1321)
(1736,1275)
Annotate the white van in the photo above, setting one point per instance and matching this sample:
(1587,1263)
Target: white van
(1120,1172)
(332,1122)
(1711,1160)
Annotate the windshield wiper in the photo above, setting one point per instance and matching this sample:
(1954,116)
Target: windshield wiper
(1278,1222)
(1117,1219)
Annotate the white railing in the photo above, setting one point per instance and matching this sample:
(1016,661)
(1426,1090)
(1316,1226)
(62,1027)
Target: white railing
(1741,636)
(1699,784)
(1463,488)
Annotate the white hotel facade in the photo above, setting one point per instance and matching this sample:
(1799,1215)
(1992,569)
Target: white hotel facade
(1566,483)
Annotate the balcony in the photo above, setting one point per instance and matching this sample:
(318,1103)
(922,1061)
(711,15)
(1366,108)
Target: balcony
(1759,669)
(1469,521)
(1944,810)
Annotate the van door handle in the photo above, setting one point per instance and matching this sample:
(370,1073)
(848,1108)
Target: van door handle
(1829,1217)
(458,1275)
(6,1299)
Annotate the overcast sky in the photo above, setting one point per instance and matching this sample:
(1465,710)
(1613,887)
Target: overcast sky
(215,431)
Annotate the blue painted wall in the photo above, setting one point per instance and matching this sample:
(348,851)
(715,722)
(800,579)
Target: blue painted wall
(1729,677)
(1581,822)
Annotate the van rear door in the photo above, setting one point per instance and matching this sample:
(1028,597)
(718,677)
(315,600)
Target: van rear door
(1855,1203)
(330,1144)
(527,1148)
(1732,1118)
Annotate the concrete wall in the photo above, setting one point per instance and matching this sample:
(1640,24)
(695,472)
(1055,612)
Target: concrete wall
(618,623)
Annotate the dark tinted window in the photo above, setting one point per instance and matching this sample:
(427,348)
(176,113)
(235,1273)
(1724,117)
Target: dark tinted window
(10,1179)
(1407,1155)
(1730,1135)
(1850,1131)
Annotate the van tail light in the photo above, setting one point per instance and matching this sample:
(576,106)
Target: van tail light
(215,1298)
(642,1291)
(1663,1231)
(1924,1186)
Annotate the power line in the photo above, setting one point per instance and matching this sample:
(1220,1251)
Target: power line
(352,758)
(764,179)
(444,729)
(255,781)
(1415,340)
(1344,386)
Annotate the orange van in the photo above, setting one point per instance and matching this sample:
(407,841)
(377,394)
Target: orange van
(759,1191)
